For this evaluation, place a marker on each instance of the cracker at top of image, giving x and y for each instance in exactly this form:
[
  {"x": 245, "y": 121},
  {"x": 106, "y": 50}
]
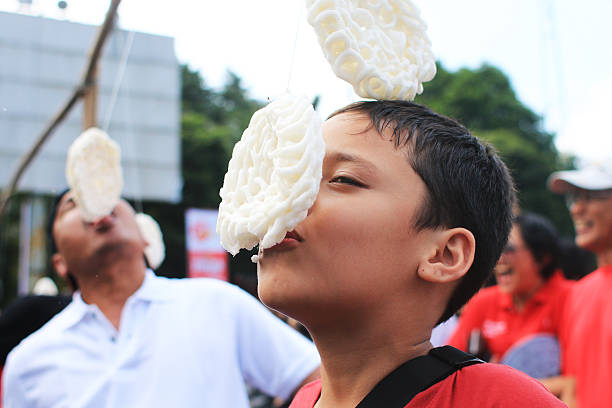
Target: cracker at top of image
[{"x": 381, "y": 48}]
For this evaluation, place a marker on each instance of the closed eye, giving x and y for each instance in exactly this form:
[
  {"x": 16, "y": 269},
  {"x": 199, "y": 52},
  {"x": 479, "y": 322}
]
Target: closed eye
[
  {"x": 347, "y": 180},
  {"x": 67, "y": 205}
]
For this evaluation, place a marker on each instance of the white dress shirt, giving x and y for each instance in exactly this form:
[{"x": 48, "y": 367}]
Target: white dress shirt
[{"x": 182, "y": 343}]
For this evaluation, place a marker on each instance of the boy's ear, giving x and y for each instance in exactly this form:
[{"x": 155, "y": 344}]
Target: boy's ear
[
  {"x": 60, "y": 266},
  {"x": 451, "y": 256}
]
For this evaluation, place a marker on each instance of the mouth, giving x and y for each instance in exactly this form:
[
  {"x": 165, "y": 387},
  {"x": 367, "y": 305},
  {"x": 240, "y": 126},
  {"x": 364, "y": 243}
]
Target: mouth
[
  {"x": 291, "y": 240},
  {"x": 104, "y": 224},
  {"x": 503, "y": 276},
  {"x": 293, "y": 235},
  {"x": 581, "y": 226}
]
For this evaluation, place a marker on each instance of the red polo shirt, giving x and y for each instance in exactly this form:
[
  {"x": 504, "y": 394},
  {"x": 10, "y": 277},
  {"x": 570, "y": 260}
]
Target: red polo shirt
[
  {"x": 502, "y": 325},
  {"x": 586, "y": 338},
  {"x": 479, "y": 385}
]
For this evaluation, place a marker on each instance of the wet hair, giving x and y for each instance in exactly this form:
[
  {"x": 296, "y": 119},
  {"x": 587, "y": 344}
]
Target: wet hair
[
  {"x": 542, "y": 240},
  {"x": 52, "y": 246},
  {"x": 467, "y": 183}
]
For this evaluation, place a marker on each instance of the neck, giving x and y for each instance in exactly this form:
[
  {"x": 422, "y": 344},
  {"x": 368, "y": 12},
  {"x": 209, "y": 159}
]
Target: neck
[
  {"x": 355, "y": 358},
  {"x": 521, "y": 299},
  {"x": 111, "y": 285},
  {"x": 605, "y": 257}
]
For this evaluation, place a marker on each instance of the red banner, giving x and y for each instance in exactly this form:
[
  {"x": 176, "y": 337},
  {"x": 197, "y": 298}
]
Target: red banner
[{"x": 205, "y": 255}]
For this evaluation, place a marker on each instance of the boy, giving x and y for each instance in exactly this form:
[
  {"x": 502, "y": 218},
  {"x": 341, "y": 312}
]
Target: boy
[{"x": 411, "y": 216}]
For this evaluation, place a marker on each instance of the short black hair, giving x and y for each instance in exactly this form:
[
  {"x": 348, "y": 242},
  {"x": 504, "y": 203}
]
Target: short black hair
[
  {"x": 52, "y": 246},
  {"x": 542, "y": 240},
  {"x": 468, "y": 185}
]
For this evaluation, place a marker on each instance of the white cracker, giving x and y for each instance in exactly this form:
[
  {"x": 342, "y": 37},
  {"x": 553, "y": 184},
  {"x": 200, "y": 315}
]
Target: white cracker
[
  {"x": 379, "y": 46},
  {"x": 273, "y": 176},
  {"x": 155, "y": 250},
  {"x": 93, "y": 172}
]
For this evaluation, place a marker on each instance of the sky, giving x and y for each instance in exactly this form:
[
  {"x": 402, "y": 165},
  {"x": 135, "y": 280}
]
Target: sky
[{"x": 557, "y": 53}]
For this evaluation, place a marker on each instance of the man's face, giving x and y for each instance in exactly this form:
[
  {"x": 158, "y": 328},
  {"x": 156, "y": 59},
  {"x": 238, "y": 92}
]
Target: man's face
[
  {"x": 358, "y": 245},
  {"x": 81, "y": 242},
  {"x": 593, "y": 222}
]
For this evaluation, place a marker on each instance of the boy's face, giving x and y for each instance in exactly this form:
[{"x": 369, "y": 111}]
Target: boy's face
[{"x": 358, "y": 245}]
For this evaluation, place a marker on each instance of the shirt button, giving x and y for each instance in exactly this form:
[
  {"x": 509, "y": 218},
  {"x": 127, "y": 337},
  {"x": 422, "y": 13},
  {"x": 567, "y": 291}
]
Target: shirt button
[{"x": 113, "y": 339}]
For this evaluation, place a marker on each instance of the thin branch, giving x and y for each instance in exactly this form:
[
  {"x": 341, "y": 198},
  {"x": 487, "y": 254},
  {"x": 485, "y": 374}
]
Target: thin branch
[{"x": 79, "y": 92}]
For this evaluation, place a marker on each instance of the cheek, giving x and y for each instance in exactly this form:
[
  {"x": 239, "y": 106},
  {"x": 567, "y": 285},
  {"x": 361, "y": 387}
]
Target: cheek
[
  {"x": 69, "y": 231},
  {"x": 362, "y": 239},
  {"x": 528, "y": 271}
]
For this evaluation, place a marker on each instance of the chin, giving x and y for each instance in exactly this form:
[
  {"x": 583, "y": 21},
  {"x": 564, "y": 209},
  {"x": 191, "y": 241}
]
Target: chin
[
  {"x": 584, "y": 242},
  {"x": 278, "y": 295}
]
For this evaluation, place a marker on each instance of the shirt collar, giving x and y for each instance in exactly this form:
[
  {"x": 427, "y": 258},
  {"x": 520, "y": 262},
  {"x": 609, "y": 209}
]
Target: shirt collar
[
  {"x": 505, "y": 299},
  {"x": 541, "y": 296},
  {"x": 152, "y": 289},
  {"x": 550, "y": 287}
]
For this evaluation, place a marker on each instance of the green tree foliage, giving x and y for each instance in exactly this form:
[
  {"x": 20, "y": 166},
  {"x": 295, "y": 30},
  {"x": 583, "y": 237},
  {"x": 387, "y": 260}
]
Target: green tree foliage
[
  {"x": 483, "y": 100},
  {"x": 212, "y": 121}
]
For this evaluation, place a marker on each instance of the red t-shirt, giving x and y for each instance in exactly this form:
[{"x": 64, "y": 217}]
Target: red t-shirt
[
  {"x": 478, "y": 385},
  {"x": 586, "y": 338},
  {"x": 502, "y": 325}
]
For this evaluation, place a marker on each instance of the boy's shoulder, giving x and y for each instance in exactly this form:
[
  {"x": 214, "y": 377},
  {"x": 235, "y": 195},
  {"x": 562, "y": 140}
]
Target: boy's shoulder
[
  {"x": 479, "y": 385},
  {"x": 307, "y": 396},
  {"x": 486, "y": 385}
]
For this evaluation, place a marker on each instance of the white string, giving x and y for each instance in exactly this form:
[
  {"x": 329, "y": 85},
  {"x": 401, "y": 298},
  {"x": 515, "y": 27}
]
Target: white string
[
  {"x": 109, "y": 114},
  {"x": 131, "y": 147},
  {"x": 297, "y": 32},
  {"x": 118, "y": 80}
]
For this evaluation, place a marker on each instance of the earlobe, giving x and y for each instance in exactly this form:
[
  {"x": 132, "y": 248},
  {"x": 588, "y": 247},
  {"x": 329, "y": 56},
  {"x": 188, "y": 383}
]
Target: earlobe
[
  {"x": 60, "y": 266},
  {"x": 451, "y": 257}
]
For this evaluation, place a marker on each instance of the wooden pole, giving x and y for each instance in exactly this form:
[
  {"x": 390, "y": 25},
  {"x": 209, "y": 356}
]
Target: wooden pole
[
  {"x": 82, "y": 89},
  {"x": 90, "y": 102}
]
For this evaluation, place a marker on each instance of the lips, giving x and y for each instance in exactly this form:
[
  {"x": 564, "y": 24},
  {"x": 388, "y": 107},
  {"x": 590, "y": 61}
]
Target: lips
[
  {"x": 293, "y": 235},
  {"x": 581, "y": 225},
  {"x": 104, "y": 223},
  {"x": 292, "y": 238}
]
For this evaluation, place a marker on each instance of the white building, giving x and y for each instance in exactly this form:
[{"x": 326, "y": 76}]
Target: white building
[{"x": 42, "y": 61}]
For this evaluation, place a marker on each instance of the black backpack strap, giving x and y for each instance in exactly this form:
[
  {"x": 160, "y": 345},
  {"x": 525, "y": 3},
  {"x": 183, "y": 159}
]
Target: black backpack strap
[{"x": 416, "y": 375}]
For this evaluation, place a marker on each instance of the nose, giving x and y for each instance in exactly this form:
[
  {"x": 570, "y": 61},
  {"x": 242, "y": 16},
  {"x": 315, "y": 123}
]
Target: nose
[
  {"x": 312, "y": 207},
  {"x": 503, "y": 259},
  {"x": 577, "y": 207}
]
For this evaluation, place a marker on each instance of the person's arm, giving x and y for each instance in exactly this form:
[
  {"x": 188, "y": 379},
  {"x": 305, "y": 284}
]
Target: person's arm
[
  {"x": 562, "y": 387},
  {"x": 274, "y": 357},
  {"x": 13, "y": 396}
]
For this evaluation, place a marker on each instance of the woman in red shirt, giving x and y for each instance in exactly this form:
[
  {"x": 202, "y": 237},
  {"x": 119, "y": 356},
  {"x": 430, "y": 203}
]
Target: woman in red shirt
[{"x": 517, "y": 320}]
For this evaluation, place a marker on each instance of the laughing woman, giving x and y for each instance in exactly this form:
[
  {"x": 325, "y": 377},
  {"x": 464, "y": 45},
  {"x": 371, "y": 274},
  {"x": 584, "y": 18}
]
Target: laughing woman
[{"x": 518, "y": 318}]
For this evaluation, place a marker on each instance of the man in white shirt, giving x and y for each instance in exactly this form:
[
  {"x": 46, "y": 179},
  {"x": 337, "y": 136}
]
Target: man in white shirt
[{"x": 132, "y": 339}]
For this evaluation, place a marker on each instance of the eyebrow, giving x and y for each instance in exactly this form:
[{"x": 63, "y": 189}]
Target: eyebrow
[{"x": 340, "y": 157}]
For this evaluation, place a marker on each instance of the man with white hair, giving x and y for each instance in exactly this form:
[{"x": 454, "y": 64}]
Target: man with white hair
[{"x": 586, "y": 337}]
